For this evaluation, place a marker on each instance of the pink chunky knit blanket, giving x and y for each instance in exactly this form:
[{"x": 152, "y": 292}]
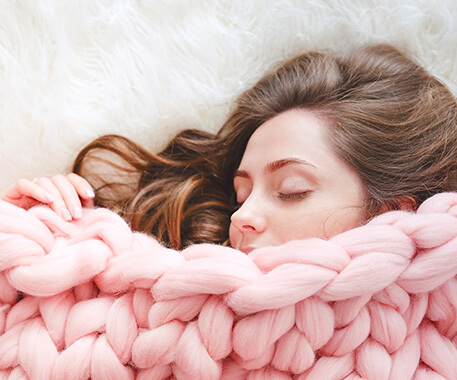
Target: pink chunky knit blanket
[{"x": 91, "y": 299}]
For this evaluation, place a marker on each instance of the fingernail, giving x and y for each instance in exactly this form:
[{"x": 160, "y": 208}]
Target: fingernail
[
  {"x": 65, "y": 213},
  {"x": 48, "y": 196},
  {"x": 90, "y": 193},
  {"x": 77, "y": 212}
]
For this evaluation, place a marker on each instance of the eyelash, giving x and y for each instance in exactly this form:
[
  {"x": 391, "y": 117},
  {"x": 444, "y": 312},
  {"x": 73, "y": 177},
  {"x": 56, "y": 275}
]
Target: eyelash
[
  {"x": 281, "y": 196},
  {"x": 293, "y": 196}
]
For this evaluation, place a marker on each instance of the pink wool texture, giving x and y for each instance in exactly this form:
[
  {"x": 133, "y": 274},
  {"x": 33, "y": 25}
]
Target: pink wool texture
[{"x": 102, "y": 302}]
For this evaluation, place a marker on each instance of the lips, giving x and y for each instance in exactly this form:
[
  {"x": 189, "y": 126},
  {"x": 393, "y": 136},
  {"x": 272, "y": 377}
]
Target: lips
[{"x": 247, "y": 250}]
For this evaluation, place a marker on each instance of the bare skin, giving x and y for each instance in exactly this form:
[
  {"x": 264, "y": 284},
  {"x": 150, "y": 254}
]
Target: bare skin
[
  {"x": 65, "y": 194},
  {"x": 291, "y": 185}
]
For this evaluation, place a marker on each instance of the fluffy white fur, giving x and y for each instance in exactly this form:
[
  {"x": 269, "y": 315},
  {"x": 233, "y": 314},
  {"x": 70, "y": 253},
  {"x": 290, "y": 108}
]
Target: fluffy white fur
[{"x": 73, "y": 70}]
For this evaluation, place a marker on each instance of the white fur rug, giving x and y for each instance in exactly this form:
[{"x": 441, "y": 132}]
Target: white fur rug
[{"x": 71, "y": 70}]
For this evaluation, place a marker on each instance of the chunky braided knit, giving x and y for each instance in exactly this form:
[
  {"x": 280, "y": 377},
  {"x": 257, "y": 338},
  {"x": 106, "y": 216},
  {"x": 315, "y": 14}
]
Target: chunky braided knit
[{"x": 101, "y": 302}]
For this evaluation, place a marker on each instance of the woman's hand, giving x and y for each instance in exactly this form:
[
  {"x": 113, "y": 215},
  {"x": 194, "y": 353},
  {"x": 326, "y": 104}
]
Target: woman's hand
[{"x": 66, "y": 195}]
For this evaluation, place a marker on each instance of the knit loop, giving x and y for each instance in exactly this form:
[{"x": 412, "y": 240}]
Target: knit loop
[{"x": 100, "y": 301}]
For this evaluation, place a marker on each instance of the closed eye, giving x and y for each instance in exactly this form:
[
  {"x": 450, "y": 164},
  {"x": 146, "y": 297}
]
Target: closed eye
[{"x": 293, "y": 196}]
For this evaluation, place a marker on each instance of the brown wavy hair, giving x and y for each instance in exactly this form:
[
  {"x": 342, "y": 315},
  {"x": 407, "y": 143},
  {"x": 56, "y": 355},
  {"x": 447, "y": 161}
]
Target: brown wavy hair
[
  {"x": 388, "y": 118},
  {"x": 175, "y": 195}
]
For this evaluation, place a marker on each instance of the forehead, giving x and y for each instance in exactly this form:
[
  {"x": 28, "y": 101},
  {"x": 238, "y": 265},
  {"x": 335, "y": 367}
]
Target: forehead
[{"x": 294, "y": 133}]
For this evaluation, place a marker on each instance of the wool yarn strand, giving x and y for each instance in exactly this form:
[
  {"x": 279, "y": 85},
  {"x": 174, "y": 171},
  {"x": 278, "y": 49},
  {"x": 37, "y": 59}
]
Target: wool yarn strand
[{"x": 93, "y": 299}]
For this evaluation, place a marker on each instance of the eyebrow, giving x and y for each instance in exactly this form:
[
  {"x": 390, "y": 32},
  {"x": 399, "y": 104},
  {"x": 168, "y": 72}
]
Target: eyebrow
[{"x": 276, "y": 165}]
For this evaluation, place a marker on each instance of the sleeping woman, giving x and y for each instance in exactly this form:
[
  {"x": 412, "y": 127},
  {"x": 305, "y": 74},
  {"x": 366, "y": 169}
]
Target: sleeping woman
[{"x": 318, "y": 146}]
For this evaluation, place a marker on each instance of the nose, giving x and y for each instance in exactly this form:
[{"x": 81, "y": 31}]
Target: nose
[{"x": 249, "y": 218}]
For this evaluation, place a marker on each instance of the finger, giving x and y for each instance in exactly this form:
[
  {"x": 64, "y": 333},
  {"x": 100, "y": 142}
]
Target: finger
[
  {"x": 26, "y": 188},
  {"x": 58, "y": 206},
  {"x": 88, "y": 203},
  {"x": 22, "y": 201},
  {"x": 82, "y": 187},
  {"x": 69, "y": 195}
]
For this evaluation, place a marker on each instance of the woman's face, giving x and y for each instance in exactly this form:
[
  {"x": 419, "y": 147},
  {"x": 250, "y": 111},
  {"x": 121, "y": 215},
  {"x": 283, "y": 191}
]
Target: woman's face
[{"x": 291, "y": 185}]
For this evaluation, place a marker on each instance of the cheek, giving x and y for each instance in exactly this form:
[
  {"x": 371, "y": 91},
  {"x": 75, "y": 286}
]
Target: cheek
[
  {"x": 293, "y": 224},
  {"x": 340, "y": 221},
  {"x": 296, "y": 230},
  {"x": 317, "y": 223}
]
